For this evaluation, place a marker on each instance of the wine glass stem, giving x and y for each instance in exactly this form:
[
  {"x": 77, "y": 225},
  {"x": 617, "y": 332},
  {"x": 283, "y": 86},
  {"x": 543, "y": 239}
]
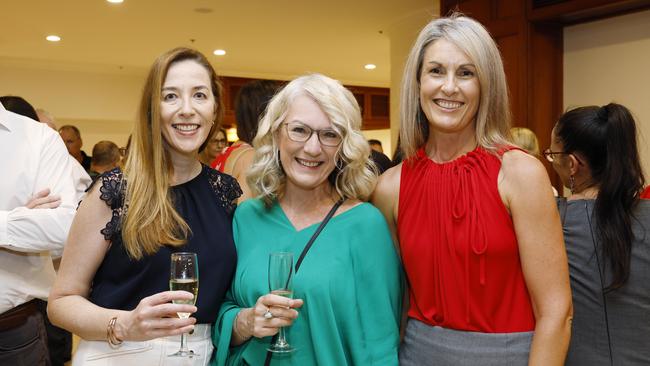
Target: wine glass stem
[
  {"x": 281, "y": 342},
  {"x": 184, "y": 343}
]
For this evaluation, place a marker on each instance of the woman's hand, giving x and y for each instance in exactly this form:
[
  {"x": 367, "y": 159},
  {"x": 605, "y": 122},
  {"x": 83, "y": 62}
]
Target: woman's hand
[
  {"x": 254, "y": 321},
  {"x": 155, "y": 316}
]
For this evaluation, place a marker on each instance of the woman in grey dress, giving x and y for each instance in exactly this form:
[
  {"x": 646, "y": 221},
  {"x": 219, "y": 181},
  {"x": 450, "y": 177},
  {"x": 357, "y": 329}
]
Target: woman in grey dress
[{"x": 607, "y": 235}]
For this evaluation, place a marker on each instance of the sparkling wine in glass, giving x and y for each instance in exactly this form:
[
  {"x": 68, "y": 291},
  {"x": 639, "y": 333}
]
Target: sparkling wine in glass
[
  {"x": 184, "y": 275},
  {"x": 281, "y": 283}
]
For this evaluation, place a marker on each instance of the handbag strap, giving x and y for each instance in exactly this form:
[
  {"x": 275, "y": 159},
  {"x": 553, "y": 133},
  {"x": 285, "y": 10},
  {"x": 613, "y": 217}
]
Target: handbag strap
[
  {"x": 269, "y": 354},
  {"x": 318, "y": 230}
]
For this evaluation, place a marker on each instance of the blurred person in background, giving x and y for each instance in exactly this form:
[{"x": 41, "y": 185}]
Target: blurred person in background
[
  {"x": 250, "y": 104},
  {"x": 607, "y": 234},
  {"x": 379, "y": 159},
  {"x": 106, "y": 157},
  {"x": 376, "y": 145},
  {"x": 527, "y": 140},
  {"x": 72, "y": 139},
  {"x": 215, "y": 146},
  {"x": 46, "y": 117}
]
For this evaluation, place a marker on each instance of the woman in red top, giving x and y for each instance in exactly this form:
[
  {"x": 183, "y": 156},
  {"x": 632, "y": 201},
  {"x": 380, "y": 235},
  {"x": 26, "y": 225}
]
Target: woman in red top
[
  {"x": 250, "y": 104},
  {"x": 478, "y": 230}
]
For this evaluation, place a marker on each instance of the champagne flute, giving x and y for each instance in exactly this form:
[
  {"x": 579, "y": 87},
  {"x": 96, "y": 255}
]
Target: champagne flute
[
  {"x": 184, "y": 275},
  {"x": 280, "y": 283}
]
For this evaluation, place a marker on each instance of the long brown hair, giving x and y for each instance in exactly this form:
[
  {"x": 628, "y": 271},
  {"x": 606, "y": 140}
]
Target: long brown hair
[{"x": 151, "y": 220}]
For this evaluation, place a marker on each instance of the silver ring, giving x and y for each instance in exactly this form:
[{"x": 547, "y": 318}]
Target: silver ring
[{"x": 268, "y": 314}]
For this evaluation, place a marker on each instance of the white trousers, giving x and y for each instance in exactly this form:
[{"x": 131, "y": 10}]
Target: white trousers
[{"x": 152, "y": 352}]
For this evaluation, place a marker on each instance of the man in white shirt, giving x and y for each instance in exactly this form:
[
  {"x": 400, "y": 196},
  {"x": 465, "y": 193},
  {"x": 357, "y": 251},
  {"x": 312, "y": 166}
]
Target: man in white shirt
[{"x": 33, "y": 159}]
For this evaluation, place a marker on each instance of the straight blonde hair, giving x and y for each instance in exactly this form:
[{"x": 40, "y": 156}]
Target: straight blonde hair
[
  {"x": 151, "y": 220},
  {"x": 493, "y": 116}
]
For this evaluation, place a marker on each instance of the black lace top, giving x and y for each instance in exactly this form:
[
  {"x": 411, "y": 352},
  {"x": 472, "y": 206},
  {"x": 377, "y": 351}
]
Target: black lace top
[{"x": 206, "y": 203}]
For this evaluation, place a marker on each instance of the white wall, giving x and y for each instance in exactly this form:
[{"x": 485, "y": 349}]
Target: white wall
[
  {"x": 609, "y": 60},
  {"x": 102, "y": 104}
]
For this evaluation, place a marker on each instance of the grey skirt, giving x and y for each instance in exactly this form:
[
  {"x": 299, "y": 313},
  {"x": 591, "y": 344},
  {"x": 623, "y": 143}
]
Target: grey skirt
[{"x": 427, "y": 345}]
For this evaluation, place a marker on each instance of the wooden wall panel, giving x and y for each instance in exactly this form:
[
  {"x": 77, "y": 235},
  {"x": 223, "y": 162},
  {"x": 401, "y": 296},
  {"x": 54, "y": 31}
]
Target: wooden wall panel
[
  {"x": 510, "y": 48},
  {"x": 372, "y": 101}
]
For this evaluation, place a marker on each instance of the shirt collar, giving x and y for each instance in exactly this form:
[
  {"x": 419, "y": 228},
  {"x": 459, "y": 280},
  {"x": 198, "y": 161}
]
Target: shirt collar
[{"x": 4, "y": 117}]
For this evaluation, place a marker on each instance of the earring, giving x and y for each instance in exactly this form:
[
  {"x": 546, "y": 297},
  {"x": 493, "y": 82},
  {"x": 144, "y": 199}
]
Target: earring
[{"x": 572, "y": 184}]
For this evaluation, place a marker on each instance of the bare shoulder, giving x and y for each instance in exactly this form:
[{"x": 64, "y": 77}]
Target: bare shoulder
[
  {"x": 240, "y": 160},
  {"x": 517, "y": 164},
  {"x": 386, "y": 194},
  {"x": 388, "y": 183},
  {"x": 522, "y": 175}
]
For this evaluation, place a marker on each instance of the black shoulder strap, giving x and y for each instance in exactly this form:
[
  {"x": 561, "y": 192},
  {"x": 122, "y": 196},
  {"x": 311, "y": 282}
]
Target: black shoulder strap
[
  {"x": 318, "y": 230},
  {"x": 269, "y": 354}
]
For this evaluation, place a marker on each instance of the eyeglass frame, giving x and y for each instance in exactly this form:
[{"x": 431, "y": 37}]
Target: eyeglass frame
[
  {"x": 221, "y": 141},
  {"x": 548, "y": 154},
  {"x": 311, "y": 133}
]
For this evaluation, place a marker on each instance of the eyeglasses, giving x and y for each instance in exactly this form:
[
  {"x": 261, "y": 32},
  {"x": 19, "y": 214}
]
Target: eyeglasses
[
  {"x": 220, "y": 141},
  {"x": 122, "y": 151},
  {"x": 300, "y": 132},
  {"x": 549, "y": 155}
]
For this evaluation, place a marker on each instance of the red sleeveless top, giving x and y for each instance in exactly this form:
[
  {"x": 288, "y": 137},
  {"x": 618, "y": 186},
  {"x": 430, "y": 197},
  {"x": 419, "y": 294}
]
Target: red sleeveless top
[
  {"x": 459, "y": 248},
  {"x": 219, "y": 163}
]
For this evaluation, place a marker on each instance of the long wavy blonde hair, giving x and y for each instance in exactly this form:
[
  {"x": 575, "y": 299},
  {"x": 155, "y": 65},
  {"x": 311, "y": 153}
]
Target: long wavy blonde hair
[
  {"x": 354, "y": 175},
  {"x": 493, "y": 116},
  {"x": 151, "y": 220}
]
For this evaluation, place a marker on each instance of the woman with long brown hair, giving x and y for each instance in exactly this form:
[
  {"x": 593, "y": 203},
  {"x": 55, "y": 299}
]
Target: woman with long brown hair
[{"x": 111, "y": 289}]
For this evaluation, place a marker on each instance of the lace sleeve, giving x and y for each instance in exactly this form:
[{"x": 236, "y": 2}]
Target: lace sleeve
[
  {"x": 226, "y": 189},
  {"x": 112, "y": 192}
]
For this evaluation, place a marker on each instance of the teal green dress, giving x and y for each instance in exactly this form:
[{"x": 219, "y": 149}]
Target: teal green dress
[{"x": 350, "y": 281}]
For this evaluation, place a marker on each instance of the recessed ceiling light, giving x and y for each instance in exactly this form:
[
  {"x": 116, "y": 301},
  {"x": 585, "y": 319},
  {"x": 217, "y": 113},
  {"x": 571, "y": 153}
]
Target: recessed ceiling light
[
  {"x": 115, "y": 1},
  {"x": 370, "y": 66},
  {"x": 53, "y": 38},
  {"x": 219, "y": 52},
  {"x": 203, "y": 10}
]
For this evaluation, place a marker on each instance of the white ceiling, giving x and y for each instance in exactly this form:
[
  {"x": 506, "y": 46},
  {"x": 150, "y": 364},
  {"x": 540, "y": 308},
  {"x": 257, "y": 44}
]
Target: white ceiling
[{"x": 264, "y": 38}]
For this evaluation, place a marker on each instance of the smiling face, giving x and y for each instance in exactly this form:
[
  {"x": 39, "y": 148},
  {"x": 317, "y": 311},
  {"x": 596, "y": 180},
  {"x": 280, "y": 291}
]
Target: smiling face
[
  {"x": 449, "y": 88},
  {"x": 308, "y": 164},
  {"x": 187, "y": 107}
]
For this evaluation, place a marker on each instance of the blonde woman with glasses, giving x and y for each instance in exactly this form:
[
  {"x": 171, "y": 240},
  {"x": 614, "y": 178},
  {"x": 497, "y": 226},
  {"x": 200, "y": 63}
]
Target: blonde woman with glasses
[{"x": 312, "y": 165}]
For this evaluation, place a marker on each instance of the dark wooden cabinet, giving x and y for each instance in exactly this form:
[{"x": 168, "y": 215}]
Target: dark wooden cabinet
[
  {"x": 529, "y": 34},
  {"x": 374, "y": 102}
]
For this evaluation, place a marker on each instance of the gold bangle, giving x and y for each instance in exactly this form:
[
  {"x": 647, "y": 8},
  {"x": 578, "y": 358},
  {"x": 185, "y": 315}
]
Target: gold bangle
[{"x": 113, "y": 341}]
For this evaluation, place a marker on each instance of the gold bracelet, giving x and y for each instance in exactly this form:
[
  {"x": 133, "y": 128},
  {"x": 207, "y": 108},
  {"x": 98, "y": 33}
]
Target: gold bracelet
[{"x": 113, "y": 341}]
